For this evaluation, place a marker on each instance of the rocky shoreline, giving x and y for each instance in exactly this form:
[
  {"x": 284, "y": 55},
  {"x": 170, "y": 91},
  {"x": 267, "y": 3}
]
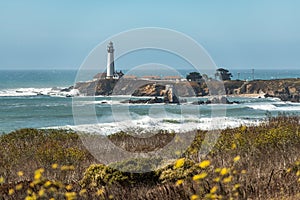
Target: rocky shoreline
[{"x": 284, "y": 89}]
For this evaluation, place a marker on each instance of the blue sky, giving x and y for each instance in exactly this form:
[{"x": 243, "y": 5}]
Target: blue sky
[{"x": 54, "y": 34}]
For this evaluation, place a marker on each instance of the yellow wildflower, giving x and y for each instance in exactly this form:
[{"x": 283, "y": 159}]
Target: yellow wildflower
[
  {"x": 19, "y": 186},
  {"x": 227, "y": 179},
  {"x": 217, "y": 170},
  {"x": 37, "y": 176},
  {"x": 100, "y": 192},
  {"x": 47, "y": 184},
  {"x": 212, "y": 196},
  {"x": 200, "y": 176},
  {"x": 224, "y": 171},
  {"x": 1, "y": 179},
  {"x": 194, "y": 197},
  {"x": 66, "y": 167},
  {"x": 204, "y": 164},
  {"x": 41, "y": 192},
  {"x": 34, "y": 197},
  {"x": 217, "y": 179},
  {"x": 11, "y": 191},
  {"x": 179, "y": 163},
  {"x": 69, "y": 187},
  {"x": 29, "y": 191},
  {"x": 70, "y": 195},
  {"x": 41, "y": 170},
  {"x": 243, "y": 171},
  {"x": 30, "y": 198},
  {"x": 20, "y": 173},
  {"x": 233, "y": 146},
  {"x": 213, "y": 189},
  {"x": 71, "y": 167},
  {"x": 82, "y": 192},
  {"x": 38, "y": 173},
  {"x": 236, "y": 186},
  {"x": 31, "y": 184},
  {"x": 54, "y": 166},
  {"x": 237, "y": 158},
  {"x": 243, "y": 128},
  {"x": 179, "y": 182}
]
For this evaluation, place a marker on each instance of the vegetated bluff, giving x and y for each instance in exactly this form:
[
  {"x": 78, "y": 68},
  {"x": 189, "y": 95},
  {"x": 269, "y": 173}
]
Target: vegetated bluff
[{"x": 285, "y": 89}]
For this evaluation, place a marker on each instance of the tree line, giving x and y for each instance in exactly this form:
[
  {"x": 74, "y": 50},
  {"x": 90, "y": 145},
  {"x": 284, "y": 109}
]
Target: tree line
[{"x": 220, "y": 74}]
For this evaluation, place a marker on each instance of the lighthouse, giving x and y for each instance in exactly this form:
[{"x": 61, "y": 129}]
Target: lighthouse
[{"x": 110, "y": 61}]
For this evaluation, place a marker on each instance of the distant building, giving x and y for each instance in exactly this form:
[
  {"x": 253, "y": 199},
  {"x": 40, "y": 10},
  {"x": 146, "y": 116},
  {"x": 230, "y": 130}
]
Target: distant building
[
  {"x": 173, "y": 78},
  {"x": 110, "y": 67},
  {"x": 118, "y": 75},
  {"x": 130, "y": 76},
  {"x": 151, "y": 77}
]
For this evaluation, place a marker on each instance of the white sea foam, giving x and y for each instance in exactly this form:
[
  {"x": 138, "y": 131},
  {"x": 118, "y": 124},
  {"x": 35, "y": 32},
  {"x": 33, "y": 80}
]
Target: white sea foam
[
  {"x": 23, "y": 92},
  {"x": 282, "y": 106},
  {"x": 288, "y": 108},
  {"x": 147, "y": 123},
  {"x": 263, "y": 107}
]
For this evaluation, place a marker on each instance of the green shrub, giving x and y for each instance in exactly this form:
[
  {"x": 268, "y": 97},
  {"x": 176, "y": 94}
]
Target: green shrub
[
  {"x": 100, "y": 175},
  {"x": 129, "y": 172}
]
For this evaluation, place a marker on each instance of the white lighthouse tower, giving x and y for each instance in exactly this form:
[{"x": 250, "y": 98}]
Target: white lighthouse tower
[{"x": 110, "y": 61}]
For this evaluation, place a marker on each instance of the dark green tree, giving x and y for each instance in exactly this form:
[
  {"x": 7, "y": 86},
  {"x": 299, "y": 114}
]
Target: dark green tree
[
  {"x": 194, "y": 76},
  {"x": 223, "y": 74}
]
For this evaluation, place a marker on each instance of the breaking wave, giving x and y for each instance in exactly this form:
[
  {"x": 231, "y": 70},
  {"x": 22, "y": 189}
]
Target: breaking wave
[
  {"x": 23, "y": 92},
  {"x": 149, "y": 124},
  {"x": 280, "y": 106}
]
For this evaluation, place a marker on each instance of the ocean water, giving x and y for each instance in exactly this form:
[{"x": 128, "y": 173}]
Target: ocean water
[{"x": 22, "y": 107}]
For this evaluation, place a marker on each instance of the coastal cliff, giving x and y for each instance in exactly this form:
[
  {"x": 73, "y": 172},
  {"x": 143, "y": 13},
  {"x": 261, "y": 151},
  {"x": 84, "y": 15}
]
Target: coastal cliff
[{"x": 285, "y": 89}]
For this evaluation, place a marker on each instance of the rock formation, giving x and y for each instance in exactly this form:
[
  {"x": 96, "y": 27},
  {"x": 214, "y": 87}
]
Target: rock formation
[
  {"x": 285, "y": 89},
  {"x": 215, "y": 100}
]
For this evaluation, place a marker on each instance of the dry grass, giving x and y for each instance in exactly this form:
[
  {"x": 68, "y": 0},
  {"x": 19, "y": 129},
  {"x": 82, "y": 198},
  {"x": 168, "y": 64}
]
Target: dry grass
[{"x": 260, "y": 162}]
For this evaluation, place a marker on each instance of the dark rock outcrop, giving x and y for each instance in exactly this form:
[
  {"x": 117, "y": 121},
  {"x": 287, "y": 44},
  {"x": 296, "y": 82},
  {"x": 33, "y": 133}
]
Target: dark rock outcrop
[
  {"x": 216, "y": 100},
  {"x": 67, "y": 89},
  {"x": 219, "y": 100},
  {"x": 144, "y": 101}
]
